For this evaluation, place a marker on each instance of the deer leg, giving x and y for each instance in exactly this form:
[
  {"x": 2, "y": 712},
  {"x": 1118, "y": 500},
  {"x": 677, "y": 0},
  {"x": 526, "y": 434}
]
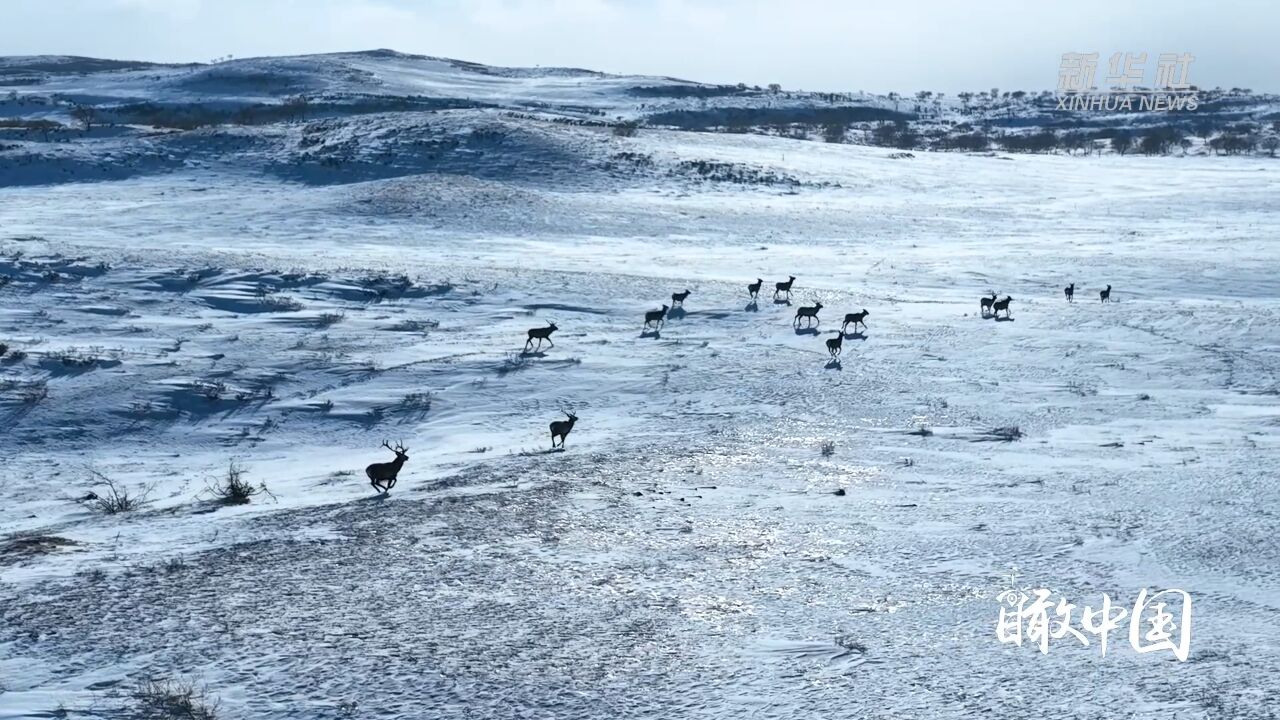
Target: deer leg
[{"x": 549, "y": 343}]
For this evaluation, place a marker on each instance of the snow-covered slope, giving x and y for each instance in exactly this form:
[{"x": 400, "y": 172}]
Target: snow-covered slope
[{"x": 687, "y": 555}]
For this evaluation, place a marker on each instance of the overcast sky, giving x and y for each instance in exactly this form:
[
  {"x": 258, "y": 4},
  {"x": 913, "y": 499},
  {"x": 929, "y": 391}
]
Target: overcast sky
[{"x": 901, "y": 45}]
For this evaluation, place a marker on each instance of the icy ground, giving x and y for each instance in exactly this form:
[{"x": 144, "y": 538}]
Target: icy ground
[{"x": 687, "y": 555}]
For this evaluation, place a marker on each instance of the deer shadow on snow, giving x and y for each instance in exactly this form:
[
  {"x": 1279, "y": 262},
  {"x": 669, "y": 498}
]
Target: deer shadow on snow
[
  {"x": 752, "y": 307},
  {"x": 807, "y": 331},
  {"x": 676, "y": 313},
  {"x": 533, "y": 354},
  {"x": 834, "y": 364}
]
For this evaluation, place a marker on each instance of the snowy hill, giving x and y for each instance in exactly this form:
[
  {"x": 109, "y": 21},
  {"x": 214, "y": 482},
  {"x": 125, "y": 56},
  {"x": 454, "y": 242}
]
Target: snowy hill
[{"x": 265, "y": 268}]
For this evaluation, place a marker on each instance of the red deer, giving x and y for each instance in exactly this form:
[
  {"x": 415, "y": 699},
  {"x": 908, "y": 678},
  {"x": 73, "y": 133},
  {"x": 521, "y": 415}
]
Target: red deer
[
  {"x": 784, "y": 286},
  {"x": 383, "y": 475},
  {"x": 999, "y": 305},
  {"x": 836, "y": 344},
  {"x": 1106, "y": 294},
  {"x": 561, "y": 428},
  {"x": 986, "y": 303},
  {"x": 808, "y": 313},
  {"x": 857, "y": 319},
  {"x": 541, "y": 334},
  {"x": 678, "y": 298},
  {"x": 656, "y": 318},
  {"x": 1070, "y": 292},
  {"x": 754, "y": 288}
]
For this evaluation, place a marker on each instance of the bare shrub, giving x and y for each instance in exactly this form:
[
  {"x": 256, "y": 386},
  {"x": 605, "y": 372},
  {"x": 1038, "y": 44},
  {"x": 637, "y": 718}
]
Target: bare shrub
[
  {"x": 233, "y": 488},
  {"x": 330, "y": 318},
  {"x": 511, "y": 363},
  {"x": 1007, "y": 433},
  {"x": 626, "y": 129},
  {"x": 281, "y": 303},
  {"x": 166, "y": 699},
  {"x": 114, "y": 498},
  {"x": 828, "y": 448},
  {"x": 419, "y": 402},
  {"x": 416, "y": 326}
]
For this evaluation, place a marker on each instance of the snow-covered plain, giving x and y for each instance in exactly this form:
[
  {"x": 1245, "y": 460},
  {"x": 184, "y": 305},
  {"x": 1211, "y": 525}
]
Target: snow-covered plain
[{"x": 687, "y": 555}]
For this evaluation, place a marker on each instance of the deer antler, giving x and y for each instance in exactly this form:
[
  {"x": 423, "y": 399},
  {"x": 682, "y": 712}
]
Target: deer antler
[
  {"x": 387, "y": 445},
  {"x": 400, "y": 448}
]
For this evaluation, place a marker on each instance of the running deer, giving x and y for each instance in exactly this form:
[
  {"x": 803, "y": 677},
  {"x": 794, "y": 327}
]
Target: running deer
[
  {"x": 541, "y": 334},
  {"x": 656, "y": 318},
  {"x": 808, "y": 313},
  {"x": 987, "y": 302},
  {"x": 1106, "y": 294},
  {"x": 784, "y": 286},
  {"x": 1070, "y": 292},
  {"x": 383, "y": 475},
  {"x": 836, "y": 344},
  {"x": 562, "y": 428},
  {"x": 678, "y": 298},
  {"x": 753, "y": 289},
  {"x": 999, "y": 305},
  {"x": 857, "y": 319}
]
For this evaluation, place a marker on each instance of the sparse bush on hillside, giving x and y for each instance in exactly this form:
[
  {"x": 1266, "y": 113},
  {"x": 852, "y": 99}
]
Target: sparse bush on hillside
[
  {"x": 1121, "y": 142},
  {"x": 834, "y": 132},
  {"x": 233, "y": 489},
  {"x": 969, "y": 142},
  {"x": 113, "y": 498},
  {"x": 85, "y": 115},
  {"x": 163, "y": 699},
  {"x": 897, "y": 134},
  {"x": 626, "y": 129},
  {"x": 1039, "y": 142}
]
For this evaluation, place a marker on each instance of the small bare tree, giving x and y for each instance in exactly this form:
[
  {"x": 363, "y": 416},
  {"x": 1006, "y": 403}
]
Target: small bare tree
[{"x": 85, "y": 115}]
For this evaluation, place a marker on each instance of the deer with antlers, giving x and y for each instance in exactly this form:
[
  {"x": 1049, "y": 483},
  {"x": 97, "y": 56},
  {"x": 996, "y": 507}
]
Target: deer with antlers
[
  {"x": 753, "y": 289},
  {"x": 655, "y": 318},
  {"x": 383, "y": 475},
  {"x": 541, "y": 334},
  {"x": 784, "y": 287},
  {"x": 562, "y": 428},
  {"x": 808, "y": 313},
  {"x": 858, "y": 318}
]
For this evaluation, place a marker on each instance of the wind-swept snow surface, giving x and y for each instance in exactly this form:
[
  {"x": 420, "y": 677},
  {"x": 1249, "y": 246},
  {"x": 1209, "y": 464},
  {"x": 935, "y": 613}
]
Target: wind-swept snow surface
[{"x": 688, "y": 554}]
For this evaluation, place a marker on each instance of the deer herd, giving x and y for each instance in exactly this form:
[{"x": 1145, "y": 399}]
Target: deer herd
[{"x": 383, "y": 475}]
